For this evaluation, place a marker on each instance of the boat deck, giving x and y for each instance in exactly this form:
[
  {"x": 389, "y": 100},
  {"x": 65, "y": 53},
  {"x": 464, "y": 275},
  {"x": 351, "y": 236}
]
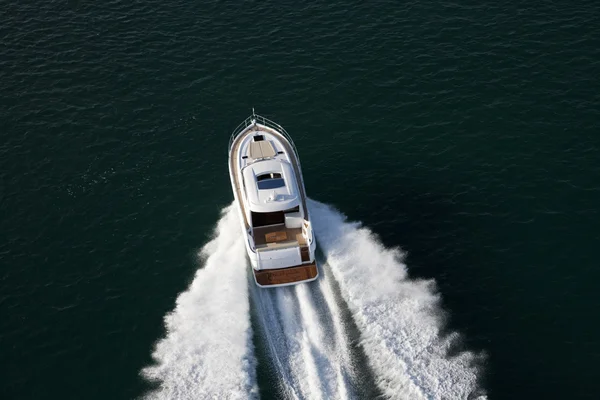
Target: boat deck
[
  {"x": 285, "y": 276},
  {"x": 283, "y": 236}
]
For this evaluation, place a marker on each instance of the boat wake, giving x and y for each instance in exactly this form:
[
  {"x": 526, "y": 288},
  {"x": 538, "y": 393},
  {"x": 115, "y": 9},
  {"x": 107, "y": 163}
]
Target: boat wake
[
  {"x": 307, "y": 341},
  {"x": 306, "y": 329},
  {"x": 208, "y": 352},
  {"x": 399, "y": 319}
]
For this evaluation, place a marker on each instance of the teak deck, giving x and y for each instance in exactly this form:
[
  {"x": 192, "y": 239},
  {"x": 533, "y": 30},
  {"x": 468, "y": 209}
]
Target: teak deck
[
  {"x": 293, "y": 235},
  {"x": 278, "y": 236},
  {"x": 282, "y": 276}
]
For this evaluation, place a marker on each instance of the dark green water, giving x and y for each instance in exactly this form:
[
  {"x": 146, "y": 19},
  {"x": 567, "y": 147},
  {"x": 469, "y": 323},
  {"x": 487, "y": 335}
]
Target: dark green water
[{"x": 466, "y": 133}]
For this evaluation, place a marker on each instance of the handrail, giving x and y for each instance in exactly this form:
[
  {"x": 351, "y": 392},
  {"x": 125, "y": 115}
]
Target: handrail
[{"x": 252, "y": 121}]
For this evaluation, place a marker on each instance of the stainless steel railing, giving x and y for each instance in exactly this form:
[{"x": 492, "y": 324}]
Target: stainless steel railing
[{"x": 258, "y": 119}]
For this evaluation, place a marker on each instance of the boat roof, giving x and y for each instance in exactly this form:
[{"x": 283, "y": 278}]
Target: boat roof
[{"x": 270, "y": 185}]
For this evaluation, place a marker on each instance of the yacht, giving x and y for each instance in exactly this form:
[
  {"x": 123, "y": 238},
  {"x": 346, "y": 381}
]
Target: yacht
[{"x": 267, "y": 184}]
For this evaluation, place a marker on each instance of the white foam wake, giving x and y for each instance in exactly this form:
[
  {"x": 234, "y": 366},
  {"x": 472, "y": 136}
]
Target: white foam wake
[
  {"x": 311, "y": 354},
  {"x": 208, "y": 352},
  {"x": 399, "y": 319}
]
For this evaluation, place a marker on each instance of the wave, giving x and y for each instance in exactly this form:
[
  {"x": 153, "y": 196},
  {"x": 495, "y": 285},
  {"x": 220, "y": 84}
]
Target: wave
[
  {"x": 310, "y": 351},
  {"x": 208, "y": 351},
  {"x": 400, "y": 320}
]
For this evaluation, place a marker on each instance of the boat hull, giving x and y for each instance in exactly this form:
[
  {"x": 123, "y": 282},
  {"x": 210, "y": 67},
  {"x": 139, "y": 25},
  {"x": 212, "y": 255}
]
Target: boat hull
[{"x": 267, "y": 270}]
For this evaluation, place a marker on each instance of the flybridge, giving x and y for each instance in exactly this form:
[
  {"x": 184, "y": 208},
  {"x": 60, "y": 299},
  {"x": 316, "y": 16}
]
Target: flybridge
[{"x": 269, "y": 190}]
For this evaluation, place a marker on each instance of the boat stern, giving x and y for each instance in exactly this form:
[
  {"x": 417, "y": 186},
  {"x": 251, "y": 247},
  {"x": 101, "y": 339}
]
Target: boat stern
[{"x": 286, "y": 276}]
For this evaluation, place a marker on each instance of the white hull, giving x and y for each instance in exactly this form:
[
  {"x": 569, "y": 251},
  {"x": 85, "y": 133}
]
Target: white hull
[{"x": 268, "y": 187}]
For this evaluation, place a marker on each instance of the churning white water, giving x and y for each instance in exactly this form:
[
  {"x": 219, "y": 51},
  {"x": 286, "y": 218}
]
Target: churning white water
[
  {"x": 305, "y": 338},
  {"x": 399, "y": 319},
  {"x": 208, "y": 352}
]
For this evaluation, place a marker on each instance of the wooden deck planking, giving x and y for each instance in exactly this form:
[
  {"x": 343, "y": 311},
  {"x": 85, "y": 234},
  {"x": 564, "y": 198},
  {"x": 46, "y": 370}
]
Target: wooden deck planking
[
  {"x": 282, "y": 276},
  {"x": 261, "y": 232}
]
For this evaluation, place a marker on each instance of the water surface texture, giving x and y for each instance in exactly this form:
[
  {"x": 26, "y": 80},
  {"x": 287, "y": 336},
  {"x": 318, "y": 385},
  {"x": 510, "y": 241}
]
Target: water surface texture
[{"x": 465, "y": 133}]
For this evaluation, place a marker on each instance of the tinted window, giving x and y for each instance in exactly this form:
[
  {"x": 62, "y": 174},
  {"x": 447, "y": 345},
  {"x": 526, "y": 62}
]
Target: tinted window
[
  {"x": 271, "y": 183},
  {"x": 269, "y": 175}
]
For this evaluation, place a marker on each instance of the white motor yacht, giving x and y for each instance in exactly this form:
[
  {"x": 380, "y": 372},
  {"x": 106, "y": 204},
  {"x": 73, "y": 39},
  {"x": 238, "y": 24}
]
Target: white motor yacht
[{"x": 267, "y": 184}]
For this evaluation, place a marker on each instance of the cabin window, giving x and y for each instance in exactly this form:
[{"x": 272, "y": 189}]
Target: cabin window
[
  {"x": 265, "y": 219},
  {"x": 271, "y": 180}
]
